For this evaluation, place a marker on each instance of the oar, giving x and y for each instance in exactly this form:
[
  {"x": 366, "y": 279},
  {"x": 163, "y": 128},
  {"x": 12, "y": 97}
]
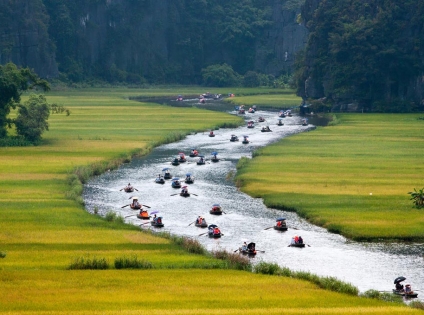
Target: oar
[
  {"x": 132, "y": 215},
  {"x": 175, "y": 194},
  {"x": 258, "y": 250},
  {"x": 124, "y": 206},
  {"x": 136, "y": 189},
  {"x": 269, "y": 228},
  {"x": 146, "y": 206},
  {"x": 203, "y": 233},
  {"x": 144, "y": 223},
  {"x": 195, "y": 194},
  {"x": 236, "y": 250},
  {"x": 191, "y": 223},
  {"x": 224, "y": 212},
  {"x": 121, "y": 189}
]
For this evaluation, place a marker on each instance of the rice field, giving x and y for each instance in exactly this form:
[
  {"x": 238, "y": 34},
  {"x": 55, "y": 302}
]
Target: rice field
[
  {"x": 352, "y": 178},
  {"x": 42, "y": 231},
  {"x": 280, "y": 99}
]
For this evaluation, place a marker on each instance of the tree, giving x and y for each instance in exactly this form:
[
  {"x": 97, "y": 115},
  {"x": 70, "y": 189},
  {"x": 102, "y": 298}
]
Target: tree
[
  {"x": 13, "y": 82},
  {"x": 32, "y": 118},
  {"x": 251, "y": 79},
  {"x": 418, "y": 197},
  {"x": 220, "y": 76}
]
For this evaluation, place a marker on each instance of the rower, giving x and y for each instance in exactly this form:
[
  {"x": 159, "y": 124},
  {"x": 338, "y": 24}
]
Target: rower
[{"x": 244, "y": 247}]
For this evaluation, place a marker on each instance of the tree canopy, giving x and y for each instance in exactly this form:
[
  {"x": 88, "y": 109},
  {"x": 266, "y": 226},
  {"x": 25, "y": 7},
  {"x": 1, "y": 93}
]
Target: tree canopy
[{"x": 13, "y": 81}]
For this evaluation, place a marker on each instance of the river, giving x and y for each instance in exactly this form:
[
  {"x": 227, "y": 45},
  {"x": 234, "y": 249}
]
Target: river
[{"x": 365, "y": 265}]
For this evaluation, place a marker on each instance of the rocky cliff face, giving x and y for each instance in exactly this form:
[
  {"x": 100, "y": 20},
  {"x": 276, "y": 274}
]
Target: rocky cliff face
[
  {"x": 24, "y": 39},
  {"x": 282, "y": 40}
]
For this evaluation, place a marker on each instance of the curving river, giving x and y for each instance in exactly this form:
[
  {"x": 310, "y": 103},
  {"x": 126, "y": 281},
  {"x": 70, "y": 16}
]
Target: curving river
[{"x": 366, "y": 265}]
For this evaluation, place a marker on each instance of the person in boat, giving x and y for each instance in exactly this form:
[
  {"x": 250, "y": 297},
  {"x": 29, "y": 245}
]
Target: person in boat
[
  {"x": 129, "y": 187},
  {"x": 154, "y": 218},
  {"x": 216, "y": 230},
  {"x": 188, "y": 177},
  {"x": 216, "y": 208},
  {"x": 201, "y": 160},
  {"x": 292, "y": 242},
  {"x": 244, "y": 247},
  {"x": 251, "y": 247},
  {"x": 296, "y": 239},
  {"x": 399, "y": 287},
  {"x": 279, "y": 224},
  {"x": 408, "y": 289},
  {"x": 211, "y": 132},
  {"x": 300, "y": 240},
  {"x": 184, "y": 190},
  {"x": 199, "y": 220},
  {"x": 135, "y": 203}
]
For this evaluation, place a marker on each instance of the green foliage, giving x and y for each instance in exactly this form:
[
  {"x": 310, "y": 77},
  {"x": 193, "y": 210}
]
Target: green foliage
[
  {"x": 220, "y": 76},
  {"x": 111, "y": 216},
  {"x": 13, "y": 81},
  {"x": 417, "y": 304},
  {"x": 418, "y": 197},
  {"x": 366, "y": 53},
  {"x": 88, "y": 263},
  {"x": 233, "y": 260},
  {"x": 32, "y": 118},
  {"x": 15, "y": 142},
  {"x": 132, "y": 263},
  {"x": 2, "y": 255},
  {"x": 384, "y": 296},
  {"x": 251, "y": 79}
]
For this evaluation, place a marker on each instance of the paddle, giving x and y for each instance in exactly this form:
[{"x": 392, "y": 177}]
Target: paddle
[
  {"x": 136, "y": 189},
  {"x": 124, "y": 206},
  {"x": 147, "y": 206},
  {"x": 236, "y": 250},
  {"x": 175, "y": 194},
  {"x": 203, "y": 234},
  {"x": 258, "y": 250},
  {"x": 144, "y": 223},
  {"x": 121, "y": 189},
  {"x": 195, "y": 194},
  {"x": 269, "y": 228},
  {"x": 191, "y": 223},
  {"x": 132, "y": 215}
]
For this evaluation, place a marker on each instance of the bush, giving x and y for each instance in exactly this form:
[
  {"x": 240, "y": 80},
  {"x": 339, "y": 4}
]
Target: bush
[
  {"x": 417, "y": 304},
  {"x": 111, "y": 216},
  {"x": 132, "y": 263},
  {"x": 87, "y": 263},
  {"x": 220, "y": 76},
  {"x": 384, "y": 296},
  {"x": 418, "y": 197},
  {"x": 251, "y": 79},
  {"x": 2, "y": 255},
  {"x": 234, "y": 261}
]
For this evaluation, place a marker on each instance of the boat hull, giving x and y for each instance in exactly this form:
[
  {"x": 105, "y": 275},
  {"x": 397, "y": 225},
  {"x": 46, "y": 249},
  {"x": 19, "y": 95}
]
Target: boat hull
[
  {"x": 297, "y": 245},
  {"x": 402, "y": 293},
  {"x": 280, "y": 228},
  {"x": 211, "y": 235},
  {"x": 143, "y": 217},
  {"x": 158, "y": 225},
  {"x": 160, "y": 181},
  {"x": 201, "y": 225},
  {"x": 215, "y": 212},
  {"x": 129, "y": 190},
  {"x": 185, "y": 195},
  {"x": 247, "y": 252}
]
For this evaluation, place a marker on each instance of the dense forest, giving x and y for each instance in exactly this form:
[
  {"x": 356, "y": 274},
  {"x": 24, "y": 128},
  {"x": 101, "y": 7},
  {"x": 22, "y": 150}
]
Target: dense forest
[{"x": 345, "y": 54}]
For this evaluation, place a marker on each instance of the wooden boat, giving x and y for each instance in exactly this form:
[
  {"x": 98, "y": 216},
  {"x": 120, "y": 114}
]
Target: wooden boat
[
  {"x": 193, "y": 153},
  {"x": 157, "y": 222},
  {"x": 187, "y": 194},
  {"x": 160, "y": 180},
  {"x": 175, "y": 162},
  {"x": 297, "y": 245},
  {"x": 136, "y": 206},
  {"x": 179, "y": 98},
  {"x": 404, "y": 294},
  {"x": 201, "y": 161},
  {"x": 202, "y": 224},
  {"x": 216, "y": 209},
  {"x": 266, "y": 129},
  {"x": 189, "y": 179},
  {"x": 129, "y": 189},
  {"x": 176, "y": 183},
  {"x": 280, "y": 225},
  {"x": 251, "y": 124},
  {"x": 143, "y": 215},
  {"x": 214, "y": 231},
  {"x": 280, "y": 123},
  {"x": 245, "y": 140},
  {"x": 167, "y": 174},
  {"x": 182, "y": 158},
  {"x": 241, "y": 111},
  {"x": 304, "y": 122},
  {"x": 211, "y": 134},
  {"x": 234, "y": 138},
  {"x": 250, "y": 251},
  {"x": 251, "y": 111},
  {"x": 282, "y": 114},
  {"x": 214, "y": 157},
  {"x": 261, "y": 119}
]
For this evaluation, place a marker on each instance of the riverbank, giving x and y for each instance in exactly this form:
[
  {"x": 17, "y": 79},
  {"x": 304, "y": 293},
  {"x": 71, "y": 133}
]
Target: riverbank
[
  {"x": 352, "y": 178},
  {"x": 42, "y": 231}
]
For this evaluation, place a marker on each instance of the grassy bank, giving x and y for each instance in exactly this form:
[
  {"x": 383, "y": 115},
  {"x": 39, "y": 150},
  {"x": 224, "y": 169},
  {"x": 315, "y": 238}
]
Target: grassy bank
[
  {"x": 283, "y": 99},
  {"x": 42, "y": 231},
  {"x": 352, "y": 178}
]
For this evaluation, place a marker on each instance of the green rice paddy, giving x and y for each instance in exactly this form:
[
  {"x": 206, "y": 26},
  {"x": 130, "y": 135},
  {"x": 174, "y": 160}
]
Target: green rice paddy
[
  {"x": 352, "y": 178},
  {"x": 42, "y": 231}
]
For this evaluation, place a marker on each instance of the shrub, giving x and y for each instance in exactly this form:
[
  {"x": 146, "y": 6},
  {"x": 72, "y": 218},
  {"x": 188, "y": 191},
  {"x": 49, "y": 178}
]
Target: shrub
[
  {"x": 234, "y": 261},
  {"x": 384, "y": 296},
  {"x": 220, "y": 76},
  {"x": 88, "y": 263},
  {"x": 2, "y": 255},
  {"x": 417, "y": 304},
  {"x": 418, "y": 197},
  {"x": 132, "y": 263}
]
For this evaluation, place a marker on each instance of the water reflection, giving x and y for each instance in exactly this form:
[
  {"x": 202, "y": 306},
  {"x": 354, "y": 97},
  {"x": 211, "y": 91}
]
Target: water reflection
[{"x": 367, "y": 266}]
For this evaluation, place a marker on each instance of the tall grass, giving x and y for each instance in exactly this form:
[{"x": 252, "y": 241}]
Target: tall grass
[
  {"x": 328, "y": 283},
  {"x": 132, "y": 263},
  {"x": 88, "y": 263},
  {"x": 233, "y": 260}
]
